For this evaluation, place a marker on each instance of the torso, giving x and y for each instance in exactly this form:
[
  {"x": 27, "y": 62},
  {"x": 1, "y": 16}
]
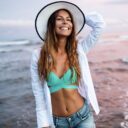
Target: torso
[{"x": 65, "y": 101}]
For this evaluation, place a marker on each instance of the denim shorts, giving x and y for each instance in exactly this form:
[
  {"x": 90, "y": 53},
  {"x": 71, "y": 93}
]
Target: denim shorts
[{"x": 81, "y": 119}]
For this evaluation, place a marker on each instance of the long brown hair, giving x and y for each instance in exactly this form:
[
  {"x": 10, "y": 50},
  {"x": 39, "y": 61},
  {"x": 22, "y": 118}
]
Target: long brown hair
[{"x": 45, "y": 61}]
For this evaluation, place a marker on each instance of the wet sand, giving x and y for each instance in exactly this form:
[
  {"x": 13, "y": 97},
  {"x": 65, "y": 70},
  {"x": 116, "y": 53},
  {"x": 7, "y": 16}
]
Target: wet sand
[{"x": 109, "y": 67}]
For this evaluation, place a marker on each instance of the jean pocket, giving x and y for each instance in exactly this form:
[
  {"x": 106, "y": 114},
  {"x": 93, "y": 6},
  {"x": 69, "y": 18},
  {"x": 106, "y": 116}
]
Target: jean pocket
[{"x": 84, "y": 113}]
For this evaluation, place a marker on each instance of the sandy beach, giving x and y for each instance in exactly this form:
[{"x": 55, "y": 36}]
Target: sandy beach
[{"x": 109, "y": 67}]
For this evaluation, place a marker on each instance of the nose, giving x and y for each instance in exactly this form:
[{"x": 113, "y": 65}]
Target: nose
[{"x": 64, "y": 21}]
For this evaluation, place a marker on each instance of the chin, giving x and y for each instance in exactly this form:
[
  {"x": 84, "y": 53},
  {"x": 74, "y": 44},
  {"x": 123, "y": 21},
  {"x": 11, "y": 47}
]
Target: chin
[{"x": 64, "y": 34}]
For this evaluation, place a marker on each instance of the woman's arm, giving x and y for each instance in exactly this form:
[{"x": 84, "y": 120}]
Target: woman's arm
[
  {"x": 96, "y": 22},
  {"x": 38, "y": 90}
]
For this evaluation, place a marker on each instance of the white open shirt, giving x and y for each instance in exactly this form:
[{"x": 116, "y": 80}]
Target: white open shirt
[{"x": 86, "y": 87}]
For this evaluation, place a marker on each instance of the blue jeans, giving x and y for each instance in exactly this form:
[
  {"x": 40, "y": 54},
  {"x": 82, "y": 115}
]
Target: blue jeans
[{"x": 81, "y": 119}]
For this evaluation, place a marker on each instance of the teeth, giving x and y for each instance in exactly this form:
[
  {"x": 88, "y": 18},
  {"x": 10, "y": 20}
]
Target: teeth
[{"x": 64, "y": 28}]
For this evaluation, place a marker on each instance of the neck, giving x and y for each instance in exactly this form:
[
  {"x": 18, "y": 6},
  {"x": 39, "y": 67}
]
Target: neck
[{"x": 61, "y": 45}]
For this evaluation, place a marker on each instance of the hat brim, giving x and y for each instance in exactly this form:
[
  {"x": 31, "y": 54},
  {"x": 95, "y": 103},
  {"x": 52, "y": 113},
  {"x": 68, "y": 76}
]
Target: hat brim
[{"x": 44, "y": 14}]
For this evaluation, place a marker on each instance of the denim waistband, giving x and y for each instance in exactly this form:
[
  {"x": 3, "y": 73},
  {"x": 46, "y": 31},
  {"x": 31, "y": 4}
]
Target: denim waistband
[{"x": 74, "y": 119}]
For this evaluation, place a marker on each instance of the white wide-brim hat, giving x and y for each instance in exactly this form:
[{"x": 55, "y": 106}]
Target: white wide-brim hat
[{"x": 44, "y": 14}]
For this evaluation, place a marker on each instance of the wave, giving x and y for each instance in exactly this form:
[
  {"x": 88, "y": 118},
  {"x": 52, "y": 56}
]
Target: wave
[{"x": 19, "y": 42}]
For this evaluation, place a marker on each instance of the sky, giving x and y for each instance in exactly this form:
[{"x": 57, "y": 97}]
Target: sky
[
  {"x": 22, "y": 13},
  {"x": 27, "y": 9}
]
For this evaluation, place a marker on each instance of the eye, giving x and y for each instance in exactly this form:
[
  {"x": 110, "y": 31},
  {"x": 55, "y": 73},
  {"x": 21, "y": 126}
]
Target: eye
[
  {"x": 58, "y": 18},
  {"x": 69, "y": 19}
]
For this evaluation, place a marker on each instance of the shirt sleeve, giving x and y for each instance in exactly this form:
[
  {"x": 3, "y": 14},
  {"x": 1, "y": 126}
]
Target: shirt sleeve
[
  {"x": 38, "y": 91},
  {"x": 96, "y": 22}
]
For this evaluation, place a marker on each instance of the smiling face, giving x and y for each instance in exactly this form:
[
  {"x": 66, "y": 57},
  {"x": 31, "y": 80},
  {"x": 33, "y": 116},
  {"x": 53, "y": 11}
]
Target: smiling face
[
  {"x": 60, "y": 25},
  {"x": 63, "y": 24}
]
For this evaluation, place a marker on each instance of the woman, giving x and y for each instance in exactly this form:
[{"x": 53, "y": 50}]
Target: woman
[{"x": 61, "y": 79}]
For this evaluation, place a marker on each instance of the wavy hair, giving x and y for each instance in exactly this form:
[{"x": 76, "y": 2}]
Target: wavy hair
[{"x": 46, "y": 62}]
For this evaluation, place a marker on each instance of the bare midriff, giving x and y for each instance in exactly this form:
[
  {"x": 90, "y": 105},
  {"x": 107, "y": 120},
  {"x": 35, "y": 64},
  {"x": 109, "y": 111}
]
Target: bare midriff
[{"x": 66, "y": 102}]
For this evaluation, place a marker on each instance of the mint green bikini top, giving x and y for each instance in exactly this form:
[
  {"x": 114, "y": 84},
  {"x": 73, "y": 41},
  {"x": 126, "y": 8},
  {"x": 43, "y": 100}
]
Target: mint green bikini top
[{"x": 55, "y": 83}]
